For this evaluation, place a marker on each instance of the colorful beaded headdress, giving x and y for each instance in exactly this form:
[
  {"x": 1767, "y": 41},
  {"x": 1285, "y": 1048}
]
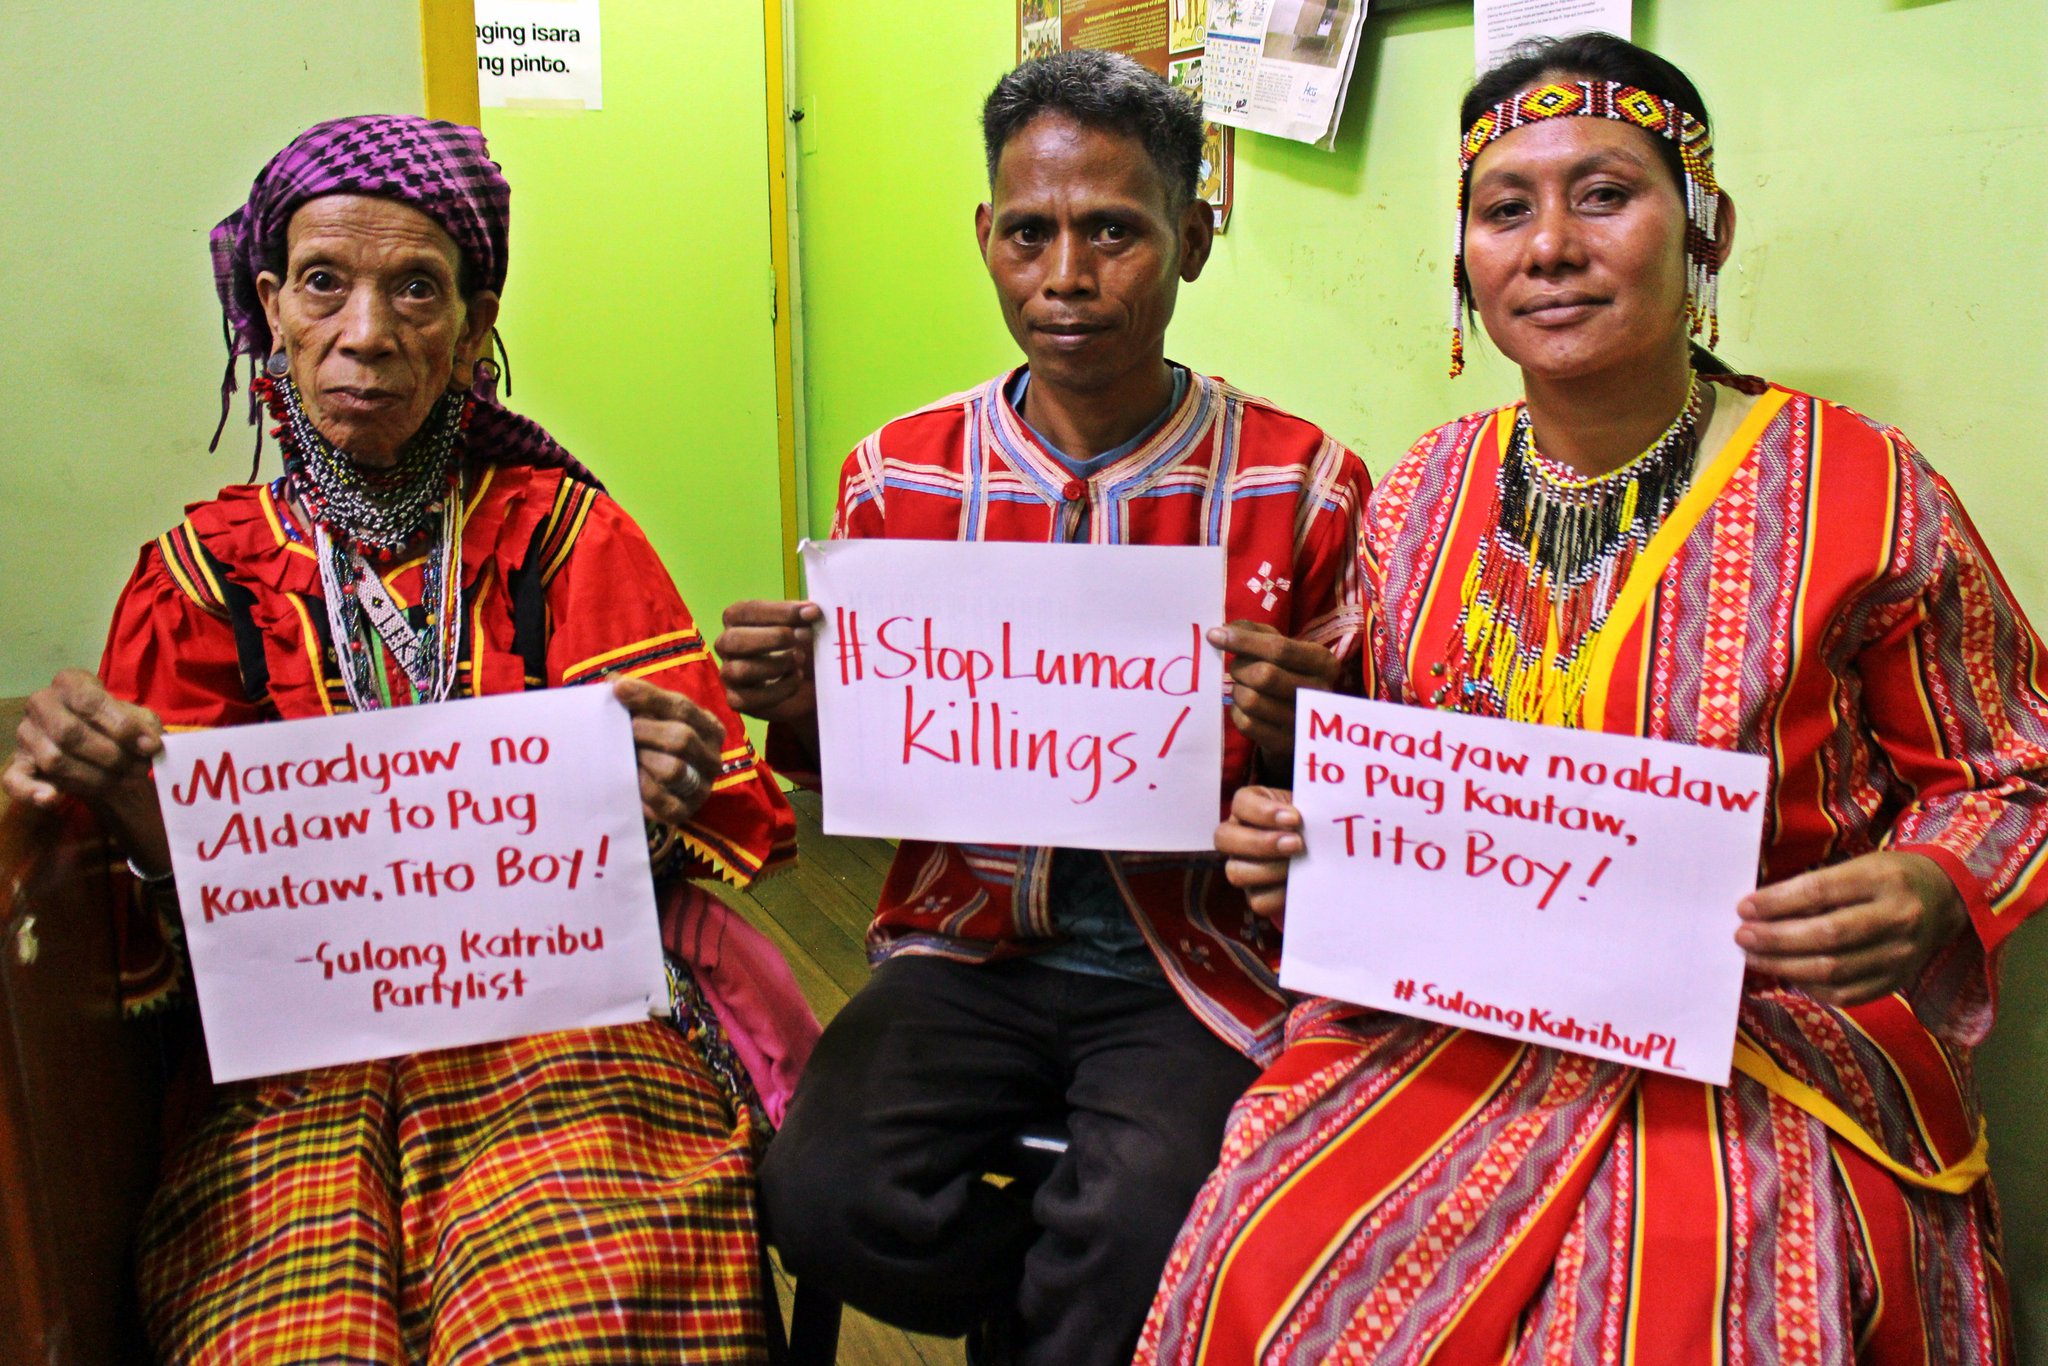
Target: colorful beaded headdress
[{"x": 1626, "y": 103}]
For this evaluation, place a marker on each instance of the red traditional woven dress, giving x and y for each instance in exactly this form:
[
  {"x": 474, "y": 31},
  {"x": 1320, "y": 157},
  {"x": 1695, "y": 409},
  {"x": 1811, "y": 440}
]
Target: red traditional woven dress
[
  {"x": 1397, "y": 1191},
  {"x": 1223, "y": 469},
  {"x": 582, "y": 1196}
]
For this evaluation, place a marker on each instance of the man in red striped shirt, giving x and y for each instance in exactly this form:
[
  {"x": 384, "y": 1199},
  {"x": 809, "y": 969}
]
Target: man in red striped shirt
[{"x": 1131, "y": 995}]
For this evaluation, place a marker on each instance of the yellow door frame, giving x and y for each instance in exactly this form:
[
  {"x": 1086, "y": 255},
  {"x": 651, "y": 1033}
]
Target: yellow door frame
[
  {"x": 781, "y": 252},
  {"x": 448, "y": 60}
]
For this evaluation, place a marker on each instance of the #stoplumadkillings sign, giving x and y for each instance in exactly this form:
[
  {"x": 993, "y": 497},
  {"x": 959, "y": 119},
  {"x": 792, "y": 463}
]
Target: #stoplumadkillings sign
[
  {"x": 1565, "y": 887},
  {"x": 999, "y": 693},
  {"x": 362, "y": 886}
]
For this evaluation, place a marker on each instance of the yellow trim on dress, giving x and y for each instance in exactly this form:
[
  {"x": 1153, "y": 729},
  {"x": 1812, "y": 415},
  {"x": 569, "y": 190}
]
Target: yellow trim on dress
[
  {"x": 738, "y": 877},
  {"x": 176, "y": 571},
  {"x": 220, "y": 594},
  {"x": 312, "y": 640},
  {"x": 689, "y": 657},
  {"x": 569, "y": 539},
  {"x": 270, "y": 515},
  {"x": 1955, "y": 1179},
  {"x": 595, "y": 660},
  {"x": 1648, "y": 570}
]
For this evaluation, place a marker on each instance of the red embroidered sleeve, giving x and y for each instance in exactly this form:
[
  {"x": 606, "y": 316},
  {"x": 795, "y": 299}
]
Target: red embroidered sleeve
[{"x": 617, "y": 614}]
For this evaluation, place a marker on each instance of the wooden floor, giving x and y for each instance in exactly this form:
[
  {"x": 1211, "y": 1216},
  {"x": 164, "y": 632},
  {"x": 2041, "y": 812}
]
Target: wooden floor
[{"x": 817, "y": 914}]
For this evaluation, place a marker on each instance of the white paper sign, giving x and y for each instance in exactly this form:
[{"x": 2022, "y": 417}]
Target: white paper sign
[
  {"x": 364, "y": 886},
  {"x": 539, "y": 54},
  {"x": 1570, "y": 888},
  {"x": 1497, "y": 25},
  {"x": 997, "y": 693}
]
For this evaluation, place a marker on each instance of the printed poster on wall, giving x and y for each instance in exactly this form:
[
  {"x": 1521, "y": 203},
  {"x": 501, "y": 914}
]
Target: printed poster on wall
[
  {"x": 368, "y": 885},
  {"x": 1282, "y": 66},
  {"x": 984, "y": 692},
  {"x": 539, "y": 54},
  {"x": 1164, "y": 35},
  {"x": 1564, "y": 887}
]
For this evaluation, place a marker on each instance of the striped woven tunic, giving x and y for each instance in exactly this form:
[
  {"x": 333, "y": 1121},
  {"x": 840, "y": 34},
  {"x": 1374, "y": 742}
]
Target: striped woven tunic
[
  {"x": 1398, "y": 1191},
  {"x": 582, "y": 1196},
  {"x": 1224, "y": 468}
]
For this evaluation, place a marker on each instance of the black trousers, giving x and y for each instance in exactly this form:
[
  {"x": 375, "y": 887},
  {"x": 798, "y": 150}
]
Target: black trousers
[{"x": 874, "y": 1185}]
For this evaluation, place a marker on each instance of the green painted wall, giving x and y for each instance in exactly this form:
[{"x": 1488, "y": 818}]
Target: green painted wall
[
  {"x": 896, "y": 308},
  {"x": 1887, "y": 157},
  {"x": 638, "y": 312},
  {"x": 128, "y": 128}
]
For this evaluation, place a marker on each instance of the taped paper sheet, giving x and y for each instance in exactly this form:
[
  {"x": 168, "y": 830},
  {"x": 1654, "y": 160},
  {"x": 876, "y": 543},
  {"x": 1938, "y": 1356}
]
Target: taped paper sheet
[
  {"x": 997, "y": 693},
  {"x": 1281, "y": 66},
  {"x": 390, "y": 882},
  {"x": 1565, "y": 887}
]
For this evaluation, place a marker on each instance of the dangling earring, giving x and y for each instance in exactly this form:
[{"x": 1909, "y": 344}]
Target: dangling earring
[
  {"x": 278, "y": 366},
  {"x": 487, "y": 370}
]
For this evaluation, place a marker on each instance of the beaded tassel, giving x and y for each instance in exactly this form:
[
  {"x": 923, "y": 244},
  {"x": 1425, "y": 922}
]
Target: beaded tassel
[
  {"x": 345, "y": 575},
  {"x": 1546, "y": 577}
]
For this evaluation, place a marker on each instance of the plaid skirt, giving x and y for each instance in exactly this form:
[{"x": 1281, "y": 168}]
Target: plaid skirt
[{"x": 584, "y": 1196}]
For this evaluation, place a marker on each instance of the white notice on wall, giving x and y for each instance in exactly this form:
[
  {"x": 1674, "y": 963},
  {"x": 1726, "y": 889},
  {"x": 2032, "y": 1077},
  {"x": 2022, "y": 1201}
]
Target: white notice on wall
[
  {"x": 998, "y": 693},
  {"x": 1564, "y": 887},
  {"x": 1497, "y": 25},
  {"x": 539, "y": 54},
  {"x": 358, "y": 887},
  {"x": 1280, "y": 66}
]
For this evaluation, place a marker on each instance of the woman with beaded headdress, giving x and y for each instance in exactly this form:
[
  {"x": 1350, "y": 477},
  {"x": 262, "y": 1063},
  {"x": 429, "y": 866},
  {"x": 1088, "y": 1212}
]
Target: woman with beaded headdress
[
  {"x": 1647, "y": 545},
  {"x": 576, "y": 1196}
]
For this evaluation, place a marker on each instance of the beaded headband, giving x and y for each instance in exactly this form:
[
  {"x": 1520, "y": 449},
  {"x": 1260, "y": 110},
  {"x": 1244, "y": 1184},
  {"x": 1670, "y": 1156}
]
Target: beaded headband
[{"x": 1627, "y": 104}]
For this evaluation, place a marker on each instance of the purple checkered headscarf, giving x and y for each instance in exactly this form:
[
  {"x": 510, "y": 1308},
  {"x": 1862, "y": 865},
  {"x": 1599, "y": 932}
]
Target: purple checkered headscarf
[{"x": 441, "y": 169}]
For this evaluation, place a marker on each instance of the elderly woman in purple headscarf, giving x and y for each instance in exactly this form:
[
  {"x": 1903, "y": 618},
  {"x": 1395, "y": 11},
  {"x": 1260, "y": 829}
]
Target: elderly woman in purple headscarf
[{"x": 578, "y": 1196}]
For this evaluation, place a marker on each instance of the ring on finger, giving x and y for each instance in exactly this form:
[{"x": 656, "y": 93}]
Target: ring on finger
[{"x": 690, "y": 782}]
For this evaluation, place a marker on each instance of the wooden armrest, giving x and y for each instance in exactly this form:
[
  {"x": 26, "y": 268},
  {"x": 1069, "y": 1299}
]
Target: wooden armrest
[{"x": 81, "y": 1093}]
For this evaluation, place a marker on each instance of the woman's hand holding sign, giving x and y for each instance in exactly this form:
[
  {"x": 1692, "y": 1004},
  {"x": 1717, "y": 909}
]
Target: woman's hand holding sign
[
  {"x": 1266, "y": 670},
  {"x": 1855, "y": 931},
  {"x": 78, "y": 740},
  {"x": 1261, "y": 837},
  {"x": 678, "y": 745}
]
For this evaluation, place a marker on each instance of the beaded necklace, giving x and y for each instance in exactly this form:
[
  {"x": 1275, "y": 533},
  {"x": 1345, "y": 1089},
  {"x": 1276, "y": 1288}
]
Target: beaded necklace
[
  {"x": 373, "y": 511},
  {"x": 357, "y": 513},
  {"x": 1544, "y": 580}
]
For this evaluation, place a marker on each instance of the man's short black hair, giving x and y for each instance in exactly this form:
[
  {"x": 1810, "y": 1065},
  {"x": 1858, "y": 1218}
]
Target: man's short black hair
[{"x": 1105, "y": 90}]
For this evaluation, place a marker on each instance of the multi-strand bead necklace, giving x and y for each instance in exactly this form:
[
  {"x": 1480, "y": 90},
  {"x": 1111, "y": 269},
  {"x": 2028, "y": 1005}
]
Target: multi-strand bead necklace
[
  {"x": 1548, "y": 573},
  {"x": 361, "y": 512}
]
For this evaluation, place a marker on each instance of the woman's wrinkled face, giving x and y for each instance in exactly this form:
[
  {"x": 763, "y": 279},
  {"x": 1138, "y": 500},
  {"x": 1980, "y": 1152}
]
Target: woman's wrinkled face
[
  {"x": 370, "y": 315},
  {"x": 1575, "y": 248}
]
